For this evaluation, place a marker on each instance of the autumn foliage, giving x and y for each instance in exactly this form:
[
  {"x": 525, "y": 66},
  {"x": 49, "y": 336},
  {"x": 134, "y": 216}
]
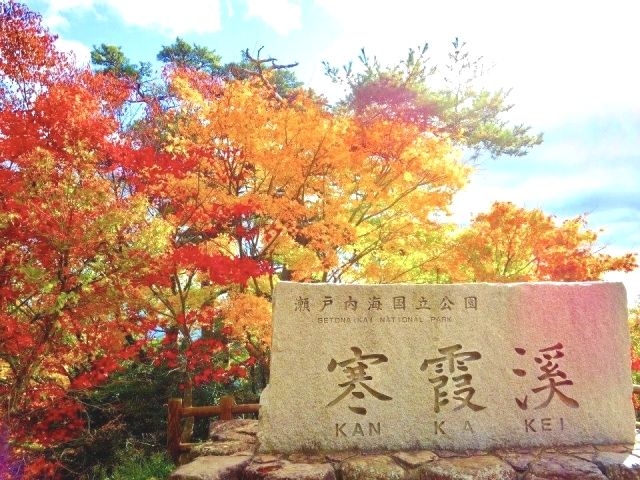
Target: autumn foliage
[
  {"x": 97, "y": 253},
  {"x": 158, "y": 237},
  {"x": 512, "y": 244}
]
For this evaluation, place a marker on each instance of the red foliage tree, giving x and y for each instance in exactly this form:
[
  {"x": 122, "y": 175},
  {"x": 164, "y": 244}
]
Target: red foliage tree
[
  {"x": 198, "y": 261},
  {"x": 98, "y": 250},
  {"x": 68, "y": 238}
]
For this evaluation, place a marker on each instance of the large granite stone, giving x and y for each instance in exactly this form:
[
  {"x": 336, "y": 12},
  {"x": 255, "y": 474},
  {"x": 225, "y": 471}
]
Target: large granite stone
[{"x": 447, "y": 367}]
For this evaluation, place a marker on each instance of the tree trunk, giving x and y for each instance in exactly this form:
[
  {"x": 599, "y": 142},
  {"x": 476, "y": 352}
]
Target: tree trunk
[{"x": 187, "y": 401}]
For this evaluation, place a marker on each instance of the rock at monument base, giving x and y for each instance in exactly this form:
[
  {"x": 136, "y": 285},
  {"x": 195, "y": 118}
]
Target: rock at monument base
[
  {"x": 618, "y": 466},
  {"x": 519, "y": 461},
  {"x": 414, "y": 459},
  {"x": 225, "y": 448},
  {"x": 212, "y": 468},
  {"x": 260, "y": 469},
  {"x": 374, "y": 467},
  {"x": 580, "y": 462},
  {"x": 459, "y": 453},
  {"x": 228, "y": 437},
  {"x": 231, "y": 447},
  {"x": 580, "y": 449},
  {"x": 267, "y": 458},
  {"x": 284, "y": 470},
  {"x": 339, "y": 457},
  {"x": 238, "y": 429},
  {"x": 562, "y": 467},
  {"x": 307, "y": 458},
  {"x": 614, "y": 448},
  {"x": 485, "y": 467}
]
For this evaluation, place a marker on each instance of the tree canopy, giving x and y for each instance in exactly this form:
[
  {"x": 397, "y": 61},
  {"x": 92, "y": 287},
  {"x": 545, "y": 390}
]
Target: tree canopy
[
  {"x": 195, "y": 57},
  {"x": 470, "y": 115}
]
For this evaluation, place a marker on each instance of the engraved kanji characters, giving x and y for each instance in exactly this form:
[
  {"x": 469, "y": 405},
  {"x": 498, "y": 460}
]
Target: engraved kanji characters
[
  {"x": 326, "y": 301},
  {"x": 471, "y": 303},
  {"x": 375, "y": 303},
  {"x": 351, "y": 304},
  {"x": 451, "y": 362},
  {"x": 446, "y": 303},
  {"x": 378, "y": 303},
  {"x": 301, "y": 304},
  {"x": 399, "y": 303},
  {"x": 423, "y": 304},
  {"x": 551, "y": 375},
  {"x": 355, "y": 369}
]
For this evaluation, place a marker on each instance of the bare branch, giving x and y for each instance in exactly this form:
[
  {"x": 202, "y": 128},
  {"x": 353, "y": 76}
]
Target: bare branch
[{"x": 262, "y": 66}]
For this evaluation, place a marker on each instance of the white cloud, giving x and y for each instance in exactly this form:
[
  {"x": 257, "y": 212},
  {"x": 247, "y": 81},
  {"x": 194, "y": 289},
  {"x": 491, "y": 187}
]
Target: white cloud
[
  {"x": 563, "y": 59},
  {"x": 631, "y": 282},
  {"x": 54, "y": 17},
  {"x": 55, "y": 21},
  {"x": 80, "y": 51},
  {"x": 187, "y": 16},
  {"x": 281, "y": 15},
  {"x": 530, "y": 191},
  {"x": 229, "y": 6},
  {"x": 171, "y": 18},
  {"x": 175, "y": 18}
]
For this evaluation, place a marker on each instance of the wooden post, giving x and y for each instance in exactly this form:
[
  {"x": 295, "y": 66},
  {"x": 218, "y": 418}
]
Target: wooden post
[
  {"x": 226, "y": 407},
  {"x": 173, "y": 427}
]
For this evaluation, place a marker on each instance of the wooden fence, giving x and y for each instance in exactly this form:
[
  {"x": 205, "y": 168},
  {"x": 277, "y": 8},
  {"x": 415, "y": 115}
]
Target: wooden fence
[{"x": 225, "y": 410}]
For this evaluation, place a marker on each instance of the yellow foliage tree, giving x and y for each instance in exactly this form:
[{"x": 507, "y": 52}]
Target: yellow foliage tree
[{"x": 512, "y": 244}]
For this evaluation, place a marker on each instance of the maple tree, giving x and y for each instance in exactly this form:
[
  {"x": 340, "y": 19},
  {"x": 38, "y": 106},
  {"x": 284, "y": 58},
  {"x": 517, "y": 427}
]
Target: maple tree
[
  {"x": 70, "y": 242},
  {"x": 88, "y": 247},
  {"x": 322, "y": 179},
  {"x": 414, "y": 242},
  {"x": 511, "y": 244},
  {"x": 327, "y": 190},
  {"x": 505, "y": 244},
  {"x": 198, "y": 264}
]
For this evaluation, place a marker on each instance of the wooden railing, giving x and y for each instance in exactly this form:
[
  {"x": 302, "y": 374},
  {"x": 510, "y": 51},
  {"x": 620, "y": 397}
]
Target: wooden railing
[{"x": 225, "y": 410}]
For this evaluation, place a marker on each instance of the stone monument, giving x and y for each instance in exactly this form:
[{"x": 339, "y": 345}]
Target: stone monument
[{"x": 455, "y": 367}]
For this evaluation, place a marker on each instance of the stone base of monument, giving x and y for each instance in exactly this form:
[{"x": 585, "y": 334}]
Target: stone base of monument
[{"x": 230, "y": 455}]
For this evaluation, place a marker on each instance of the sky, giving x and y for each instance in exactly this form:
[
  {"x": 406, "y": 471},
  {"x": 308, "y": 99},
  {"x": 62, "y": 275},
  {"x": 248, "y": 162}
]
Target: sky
[{"x": 571, "y": 66}]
